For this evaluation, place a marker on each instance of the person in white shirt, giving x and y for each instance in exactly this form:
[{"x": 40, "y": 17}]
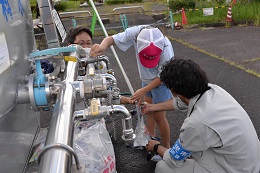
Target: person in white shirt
[
  {"x": 152, "y": 51},
  {"x": 217, "y": 132}
]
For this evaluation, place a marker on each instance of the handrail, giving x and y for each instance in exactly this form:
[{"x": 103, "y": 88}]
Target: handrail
[
  {"x": 74, "y": 13},
  {"x": 62, "y": 146},
  {"x": 129, "y": 7}
]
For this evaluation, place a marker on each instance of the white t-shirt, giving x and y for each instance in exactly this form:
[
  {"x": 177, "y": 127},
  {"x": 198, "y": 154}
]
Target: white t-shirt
[{"x": 128, "y": 38}]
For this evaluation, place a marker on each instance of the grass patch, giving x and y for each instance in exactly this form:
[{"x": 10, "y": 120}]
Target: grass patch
[
  {"x": 250, "y": 11},
  {"x": 240, "y": 11}
]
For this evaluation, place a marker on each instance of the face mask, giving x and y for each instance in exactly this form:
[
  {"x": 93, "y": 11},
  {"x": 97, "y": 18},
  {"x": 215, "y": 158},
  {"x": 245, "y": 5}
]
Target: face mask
[{"x": 180, "y": 105}]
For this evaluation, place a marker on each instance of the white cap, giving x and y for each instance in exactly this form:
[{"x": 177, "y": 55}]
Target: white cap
[{"x": 150, "y": 43}]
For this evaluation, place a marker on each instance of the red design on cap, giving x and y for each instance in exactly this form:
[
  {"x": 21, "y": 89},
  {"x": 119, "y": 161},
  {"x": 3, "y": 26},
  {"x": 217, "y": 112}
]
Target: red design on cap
[{"x": 150, "y": 56}]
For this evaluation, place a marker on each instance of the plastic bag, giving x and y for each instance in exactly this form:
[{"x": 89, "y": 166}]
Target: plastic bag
[
  {"x": 94, "y": 147},
  {"x": 141, "y": 131}
]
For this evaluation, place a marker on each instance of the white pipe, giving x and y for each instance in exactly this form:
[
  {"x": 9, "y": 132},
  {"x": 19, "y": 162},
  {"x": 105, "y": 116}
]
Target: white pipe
[{"x": 112, "y": 48}]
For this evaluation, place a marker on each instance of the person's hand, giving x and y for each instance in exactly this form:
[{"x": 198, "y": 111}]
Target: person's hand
[
  {"x": 126, "y": 100},
  {"x": 97, "y": 50},
  {"x": 146, "y": 107},
  {"x": 151, "y": 144},
  {"x": 138, "y": 95}
]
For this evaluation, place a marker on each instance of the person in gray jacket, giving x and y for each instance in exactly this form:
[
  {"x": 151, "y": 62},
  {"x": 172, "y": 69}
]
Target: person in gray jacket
[{"x": 217, "y": 132}]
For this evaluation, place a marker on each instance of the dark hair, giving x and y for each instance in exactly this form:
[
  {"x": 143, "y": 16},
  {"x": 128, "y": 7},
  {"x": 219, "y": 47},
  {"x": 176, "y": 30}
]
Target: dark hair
[
  {"x": 73, "y": 32},
  {"x": 184, "y": 77}
]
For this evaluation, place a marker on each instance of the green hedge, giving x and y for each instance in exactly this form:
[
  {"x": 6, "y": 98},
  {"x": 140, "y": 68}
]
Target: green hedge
[
  {"x": 176, "y": 5},
  {"x": 61, "y": 6},
  {"x": 33, "y": 6},
  {"x": 111, "y": 2}
]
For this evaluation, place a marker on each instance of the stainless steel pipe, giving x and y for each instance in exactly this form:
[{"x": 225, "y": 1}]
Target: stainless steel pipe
[
  {"x": 128, "y": 132},
  {"x": 57, "y": 160}
]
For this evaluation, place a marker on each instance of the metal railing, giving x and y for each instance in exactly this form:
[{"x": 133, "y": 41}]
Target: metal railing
[
  {"x": 130, "y": 7},
  {"x": 74, "y": 13}
]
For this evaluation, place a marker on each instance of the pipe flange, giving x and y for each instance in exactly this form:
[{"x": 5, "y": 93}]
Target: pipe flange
[
  {"x": 129, "y": 139},
  {"x": 47, "y": 89},
  {"x": 31, "y": 92}
]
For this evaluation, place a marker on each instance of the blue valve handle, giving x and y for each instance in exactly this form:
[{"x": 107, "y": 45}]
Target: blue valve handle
[
  {"x": 39, "y": 81},
  {"x": 48, "y": 53}
]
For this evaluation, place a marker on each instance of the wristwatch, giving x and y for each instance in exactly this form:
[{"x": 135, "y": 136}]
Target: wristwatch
[{"x": 155, "y": 148}]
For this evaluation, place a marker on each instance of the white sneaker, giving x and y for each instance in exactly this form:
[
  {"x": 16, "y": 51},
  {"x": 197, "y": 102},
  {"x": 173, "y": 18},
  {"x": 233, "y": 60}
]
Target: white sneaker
[{"x": 156, "y": 158}]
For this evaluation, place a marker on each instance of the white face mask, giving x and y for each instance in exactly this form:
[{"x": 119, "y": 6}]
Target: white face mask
[{"x": 180, "y": 105}]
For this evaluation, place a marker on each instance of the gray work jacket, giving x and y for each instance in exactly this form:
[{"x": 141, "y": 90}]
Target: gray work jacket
[{"x": 220, "y": 134}]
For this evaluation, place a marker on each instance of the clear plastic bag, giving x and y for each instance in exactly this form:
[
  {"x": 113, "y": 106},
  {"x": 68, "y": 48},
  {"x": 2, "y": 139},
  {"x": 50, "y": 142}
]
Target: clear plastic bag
[
  {"x": 141, "y": 131},
  {"x": 94, "y": 147}
]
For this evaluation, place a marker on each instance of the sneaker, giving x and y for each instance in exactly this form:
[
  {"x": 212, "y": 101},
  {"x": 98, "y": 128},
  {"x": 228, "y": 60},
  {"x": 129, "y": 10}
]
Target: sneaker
[{"x": 156, "y": 158}]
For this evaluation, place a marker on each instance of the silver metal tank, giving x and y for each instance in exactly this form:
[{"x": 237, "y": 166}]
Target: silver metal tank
[{"x": 18, "y": 122}]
